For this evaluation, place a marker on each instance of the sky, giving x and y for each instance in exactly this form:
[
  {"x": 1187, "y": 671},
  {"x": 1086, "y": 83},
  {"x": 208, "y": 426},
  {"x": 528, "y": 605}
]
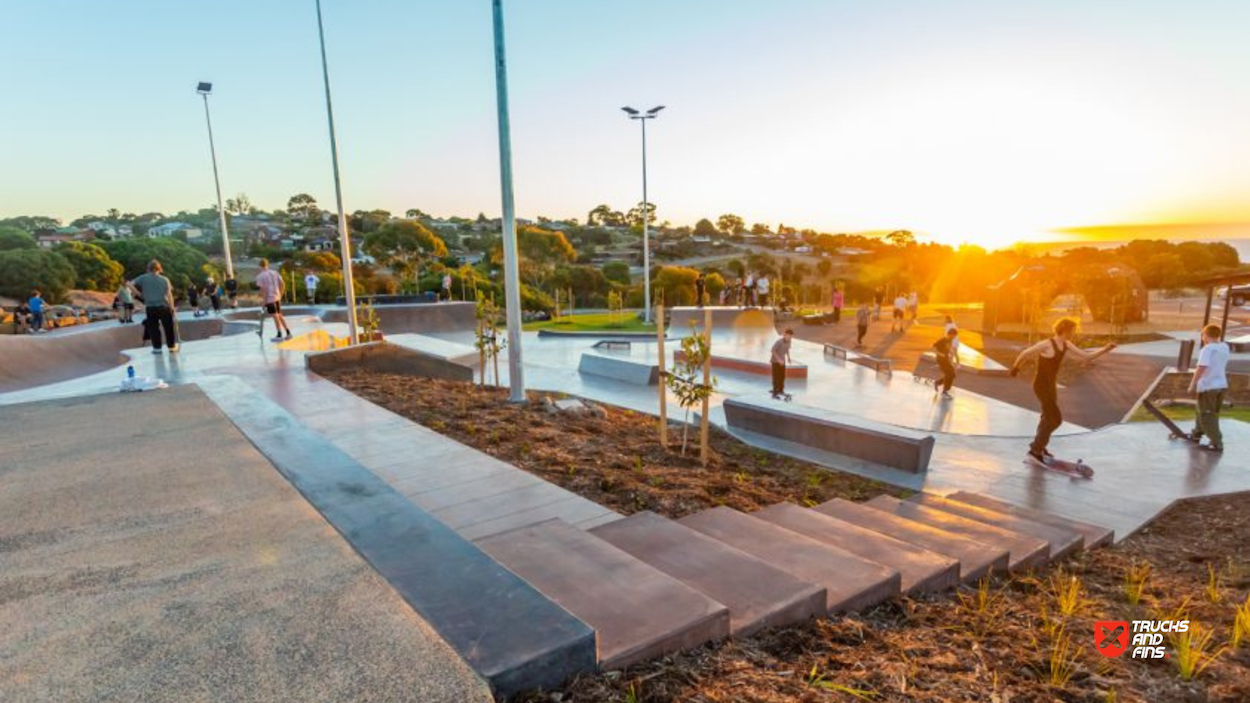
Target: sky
[{"x": 977, "y": 120}]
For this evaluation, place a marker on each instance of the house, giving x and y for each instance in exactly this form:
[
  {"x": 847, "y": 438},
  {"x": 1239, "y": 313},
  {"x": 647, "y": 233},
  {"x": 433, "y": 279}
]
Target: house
[
  {"x": 320, "y": 244},
  {"x": 48, "y": 238},
  {"x": 168, "y": 229}
]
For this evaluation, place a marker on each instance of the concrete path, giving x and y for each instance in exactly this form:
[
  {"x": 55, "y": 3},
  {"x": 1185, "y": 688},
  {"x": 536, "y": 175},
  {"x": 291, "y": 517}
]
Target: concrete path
[{"x": 149, "y": 553}]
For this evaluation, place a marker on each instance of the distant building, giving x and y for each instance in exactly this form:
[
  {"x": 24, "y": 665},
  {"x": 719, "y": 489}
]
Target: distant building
[{"x": 169, "y": 229}]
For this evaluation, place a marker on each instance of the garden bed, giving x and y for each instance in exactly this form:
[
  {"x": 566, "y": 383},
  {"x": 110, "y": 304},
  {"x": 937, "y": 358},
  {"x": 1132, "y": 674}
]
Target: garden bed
[{"x": 1007, "y": 642}]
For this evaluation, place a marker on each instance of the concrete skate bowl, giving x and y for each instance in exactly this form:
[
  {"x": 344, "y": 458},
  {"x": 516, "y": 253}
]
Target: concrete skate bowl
[
  {"x": 422, "y": 318},
  {"x": 73, "y": 352}
]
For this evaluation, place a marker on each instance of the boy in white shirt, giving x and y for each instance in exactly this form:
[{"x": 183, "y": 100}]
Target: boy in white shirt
[{"x": 1211, "y": 383}]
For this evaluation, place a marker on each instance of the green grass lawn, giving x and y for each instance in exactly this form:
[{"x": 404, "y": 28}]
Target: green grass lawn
[
  {"x": 1185, "y": 413},
  {"x": 627, "y": 321}
]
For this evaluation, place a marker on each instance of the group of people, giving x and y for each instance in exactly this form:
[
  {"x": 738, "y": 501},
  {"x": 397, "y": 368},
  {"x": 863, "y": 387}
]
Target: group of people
[
  {"x": 28, "y": 317},
  {"x": 750, "y": 291},
  {"x": 206, "y": 297}
]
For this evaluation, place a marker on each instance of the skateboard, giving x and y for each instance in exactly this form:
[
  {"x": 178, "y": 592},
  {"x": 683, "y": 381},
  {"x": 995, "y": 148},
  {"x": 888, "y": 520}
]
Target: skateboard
[
  {"x": 782, "y": 396},
  {"x": 1176, "y": 431},
  {"x": 1077, "y": 468}
]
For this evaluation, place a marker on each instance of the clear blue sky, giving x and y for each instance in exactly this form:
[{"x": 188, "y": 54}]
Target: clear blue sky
[{"x": 975, "y": 119}]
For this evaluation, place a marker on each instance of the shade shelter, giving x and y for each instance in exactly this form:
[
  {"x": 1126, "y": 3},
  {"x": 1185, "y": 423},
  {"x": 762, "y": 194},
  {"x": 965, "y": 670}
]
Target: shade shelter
[{"x": 1227, "y": 280}]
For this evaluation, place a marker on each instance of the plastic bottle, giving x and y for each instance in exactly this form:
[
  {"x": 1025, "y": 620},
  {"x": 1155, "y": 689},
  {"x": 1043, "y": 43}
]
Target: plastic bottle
[{"x": 130, "y": 372}]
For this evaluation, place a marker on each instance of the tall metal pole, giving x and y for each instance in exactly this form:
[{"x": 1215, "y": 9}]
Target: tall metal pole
[
  {"x": 345, "y": 244},
  {"x": 646, "y": 231},
  {"x": 221, "y": 210},
  {"x": 512, "y": 277}
]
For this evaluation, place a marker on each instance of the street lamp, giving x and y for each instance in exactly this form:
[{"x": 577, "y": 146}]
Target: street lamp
[
  {"x": 204, "y": 89},
  {"x": 345, "y": 244},
  {"x": 512, "y": 277},
  {"x": 642, "y": 117}
]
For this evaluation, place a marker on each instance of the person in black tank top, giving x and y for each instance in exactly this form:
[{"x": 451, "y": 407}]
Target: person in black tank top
[{"x": 1050, "y": 354}]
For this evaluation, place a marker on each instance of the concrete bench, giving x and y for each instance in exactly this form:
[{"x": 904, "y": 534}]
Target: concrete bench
[
  {"x": 851, "y": 436},
  {"x": 620, "y": 368},
  {"x": 612, "y": 344},
  {"x": 872, "y": 362},
  {"x": 755, "y": 366}
]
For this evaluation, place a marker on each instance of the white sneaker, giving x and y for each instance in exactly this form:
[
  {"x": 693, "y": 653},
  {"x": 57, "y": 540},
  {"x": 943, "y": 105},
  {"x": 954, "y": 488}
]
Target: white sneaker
[{"x": 156, "y": 351}]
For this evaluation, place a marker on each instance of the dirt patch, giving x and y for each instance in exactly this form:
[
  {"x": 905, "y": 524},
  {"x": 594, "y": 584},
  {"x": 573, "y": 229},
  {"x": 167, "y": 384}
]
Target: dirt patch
[
  {"x": 1008, "y": 641},
  {"x": 614, "y": 459}
]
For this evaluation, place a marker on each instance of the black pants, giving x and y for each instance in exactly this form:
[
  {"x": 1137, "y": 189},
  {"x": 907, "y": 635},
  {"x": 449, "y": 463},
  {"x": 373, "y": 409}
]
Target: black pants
[
  {"x": 859, "y": 340},
  {"x": 837, "y": 315},
  {"x": 948, "y": 374},
  {"x": 158, "y": 318},
  {"x": 1052, "y": 418},
  {"x": 779, "y": 378}
]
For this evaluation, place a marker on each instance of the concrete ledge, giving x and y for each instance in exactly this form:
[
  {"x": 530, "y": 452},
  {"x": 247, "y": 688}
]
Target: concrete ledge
[
  {"x": 619, "y": 368},
  {"x": 871, "y": 362},
  {"x": 855, "y": 437},
  {"x": 755, "y": 366},
  {"x": 598, "y": 334},
  {"x": 384, "y": 357}
]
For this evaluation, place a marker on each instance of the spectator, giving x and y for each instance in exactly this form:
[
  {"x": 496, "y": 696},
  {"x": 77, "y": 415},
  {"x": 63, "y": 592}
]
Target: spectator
[
  {"x": 36, "y": 311},
  {"x": 213, "y": 292},
  {"x": 126, "y": 304},
  {"x": 311, "y": 280},
  {"x": 839, "y": 300},
  {"x": 158, "y": 305},
  {"x": 232, "y": 291}
]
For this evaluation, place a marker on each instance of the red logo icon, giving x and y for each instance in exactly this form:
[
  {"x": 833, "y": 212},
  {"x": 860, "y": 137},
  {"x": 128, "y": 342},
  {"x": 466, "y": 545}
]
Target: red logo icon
[{"x": 1111, "y": 637}]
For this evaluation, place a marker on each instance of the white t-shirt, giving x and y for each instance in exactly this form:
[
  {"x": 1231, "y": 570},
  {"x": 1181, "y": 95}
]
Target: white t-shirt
[
  {"x": 311, "y": 281},
  {"x": 270, "y": 284},
  {"x": 900, "y": 303},
  {"x": 1214, "y": 357},
  {"x": 762, "y": 285}
]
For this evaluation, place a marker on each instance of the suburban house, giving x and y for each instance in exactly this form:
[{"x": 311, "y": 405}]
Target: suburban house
[
  {"x": 169, "y": 229},
  {"x": 48, "y": 238}
]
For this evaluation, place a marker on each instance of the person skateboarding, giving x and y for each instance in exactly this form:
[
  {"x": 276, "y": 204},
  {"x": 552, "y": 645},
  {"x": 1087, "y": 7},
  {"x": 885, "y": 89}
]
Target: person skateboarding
[
  {"x": 1210, "y": 382},
  {"x": 781, "y": 355},
  {"x": 1050, "y": 354},
  {"x": 272, "y": 289},
  {"x": 944, "y": 351},
  {"x": 862, "y": 317}
]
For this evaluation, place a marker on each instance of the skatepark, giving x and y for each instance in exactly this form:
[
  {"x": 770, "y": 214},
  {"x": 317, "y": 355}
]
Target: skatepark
[{"x": 394, "y": 494}]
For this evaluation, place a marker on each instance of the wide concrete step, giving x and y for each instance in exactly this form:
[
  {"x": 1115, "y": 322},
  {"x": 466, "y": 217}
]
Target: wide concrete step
[
  {"x": 1063, "y": 541},
  {"x": 1024, "y": 552},
  {"x": 922, "y": 570},
  {"x": 851, "y": 582},
  {"x": 757, "y": 594},
  {"x": 1095, "y": 535},
  {"x": 976, "y": 559},
  {"x": 637, "y": 611}
]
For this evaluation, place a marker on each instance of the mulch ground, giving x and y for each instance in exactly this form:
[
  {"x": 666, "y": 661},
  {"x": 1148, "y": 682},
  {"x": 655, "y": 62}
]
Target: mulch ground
[{"x": 1008, "y": 641}]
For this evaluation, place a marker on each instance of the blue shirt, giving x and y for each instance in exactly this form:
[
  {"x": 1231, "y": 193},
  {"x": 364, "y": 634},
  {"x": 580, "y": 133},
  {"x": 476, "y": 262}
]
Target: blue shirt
[{"x": 35, "y": 304}]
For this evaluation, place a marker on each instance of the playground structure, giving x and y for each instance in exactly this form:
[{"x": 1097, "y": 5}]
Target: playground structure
[{"x": 1114, "y": 293}]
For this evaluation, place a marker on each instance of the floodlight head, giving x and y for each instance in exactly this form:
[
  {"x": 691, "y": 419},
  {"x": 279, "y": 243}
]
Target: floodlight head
[
  {"x": 204, "y": 88},
  {"x": 630, "y": 111},
  {"x": 654, "y": 111}
]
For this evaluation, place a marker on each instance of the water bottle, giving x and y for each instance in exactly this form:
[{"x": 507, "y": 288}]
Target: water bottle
[{"x": 130, "y": 372}]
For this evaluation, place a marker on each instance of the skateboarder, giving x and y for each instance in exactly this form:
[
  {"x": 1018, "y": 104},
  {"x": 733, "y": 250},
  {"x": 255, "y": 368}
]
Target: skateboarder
[
  {"x": 878, "y": 297},
  {"x": 1210, "y": 381},
  {"x": 900, "y": 312},
  {"x": 862, "y": 317},
  {"x": 944, "y": 352},
  {"x": 1050, "y": 354},
  {"x": 839, "y": 299},
  {"x": 781, "y": 355},
  {"x": 272, "y": 288},
  {"x": 762, "y": 289}
]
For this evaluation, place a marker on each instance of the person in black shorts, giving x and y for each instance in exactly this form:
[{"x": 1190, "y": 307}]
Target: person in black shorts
[
  {"x": 232, "y": 291},
  {"x": 944, "y": 352},
  {"x": 1050, "y": 354}
]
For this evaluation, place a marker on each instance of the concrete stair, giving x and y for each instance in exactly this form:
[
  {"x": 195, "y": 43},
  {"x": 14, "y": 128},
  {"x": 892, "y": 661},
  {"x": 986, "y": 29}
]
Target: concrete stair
[
  {"x": 1095, "y": 535},
  {"x": 851, "y": 582},
  {"x": 975, "y": 559},
  {"x": 1063, "y": 541},
  {"x": 1024, "y": 552},
  {"x": 922, "y": 571},
  {"x": 637, "y": 611},
  {"x": 757, "y": 594}
]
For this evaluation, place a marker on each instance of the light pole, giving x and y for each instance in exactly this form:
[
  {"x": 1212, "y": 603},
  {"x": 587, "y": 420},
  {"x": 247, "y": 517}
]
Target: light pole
[
  {"x": 512, "y": 277},
  {"x": 345, "y": 243},
  {"x": 204, "y": 89},
  {"x": 642, "y": 117}
]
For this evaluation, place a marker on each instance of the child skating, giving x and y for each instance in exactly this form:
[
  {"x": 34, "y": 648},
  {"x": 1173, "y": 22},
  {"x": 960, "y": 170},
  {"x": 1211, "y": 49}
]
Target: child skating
[{"x": 780, "y": 357}]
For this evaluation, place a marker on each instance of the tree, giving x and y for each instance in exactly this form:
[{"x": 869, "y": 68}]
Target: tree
[
  {"x": 760, "y": 229},
  {"x": 403, "y": 245},
  {"x": 304, "y": 207},
  {"x": 730, "y": 224},
  {"x": 240, "y": 205},
  {"x": 416, "y": 214},
  {"x": 182, "y": 262},
  {"x": 30, "y": 223},
  {"x": 823, "y": 267},
  {"x": 14, "y": 238},
  {"x": 24, "y": 270},
  {"x": 617, "y": 271},
  {"x": 541, "y": 251},
  {"x": 93, "y": 268},
  {"x": 677, "y": 284},
  {"x": 634, "y": 218},
  {"x": 704, "y": 228},
  {"x": 605, "y": 216},
  {"x": 901, "y": 238},
  {"x": 366, "y": 222}
]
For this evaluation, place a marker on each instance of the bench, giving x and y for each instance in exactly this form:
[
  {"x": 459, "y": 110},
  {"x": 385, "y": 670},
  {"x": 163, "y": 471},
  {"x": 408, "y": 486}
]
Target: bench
[
  {"x": 848, "y": 435},
  {"x": 619, "y": 368},
  {"x": 837, "y": 351},
  {"x": 612, "y": 344},
  {"x": 872, "y": 362}
]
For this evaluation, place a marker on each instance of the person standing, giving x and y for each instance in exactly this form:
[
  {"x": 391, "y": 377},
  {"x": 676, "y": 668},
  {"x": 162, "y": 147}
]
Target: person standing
[
  {"x": 900, "y": 316},
  {"x": 779, "y": 358},
  {"x": 1210, "y": 382},
  {"x": 700, "y": 287},
  {"x": 232, "y": 291},
  {"x": 445, "y": 294},
  {"x": 310, "y": 285},
  {"x": 193, "y": 299},
  {"x": 1050, "y": 354},
  {"x": 749, "y": 289},
  {"x": 944, "y": 353},
  {"x": 762, "y": 289},
  {"x": 126, "y": 304},
  {"x": 35, "y": 303},
  {"x": 272, "y": 289},
  {"x": 862, "y": 317},
  {"x": 213, "y": 291},
  {"x": 913, "y": 304},
  {"x": 878, "y": 297},
  {"x": 158, "y": 306},
  {"x": 839, "y": 299},
  {"x": 950, "y": 325}
]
